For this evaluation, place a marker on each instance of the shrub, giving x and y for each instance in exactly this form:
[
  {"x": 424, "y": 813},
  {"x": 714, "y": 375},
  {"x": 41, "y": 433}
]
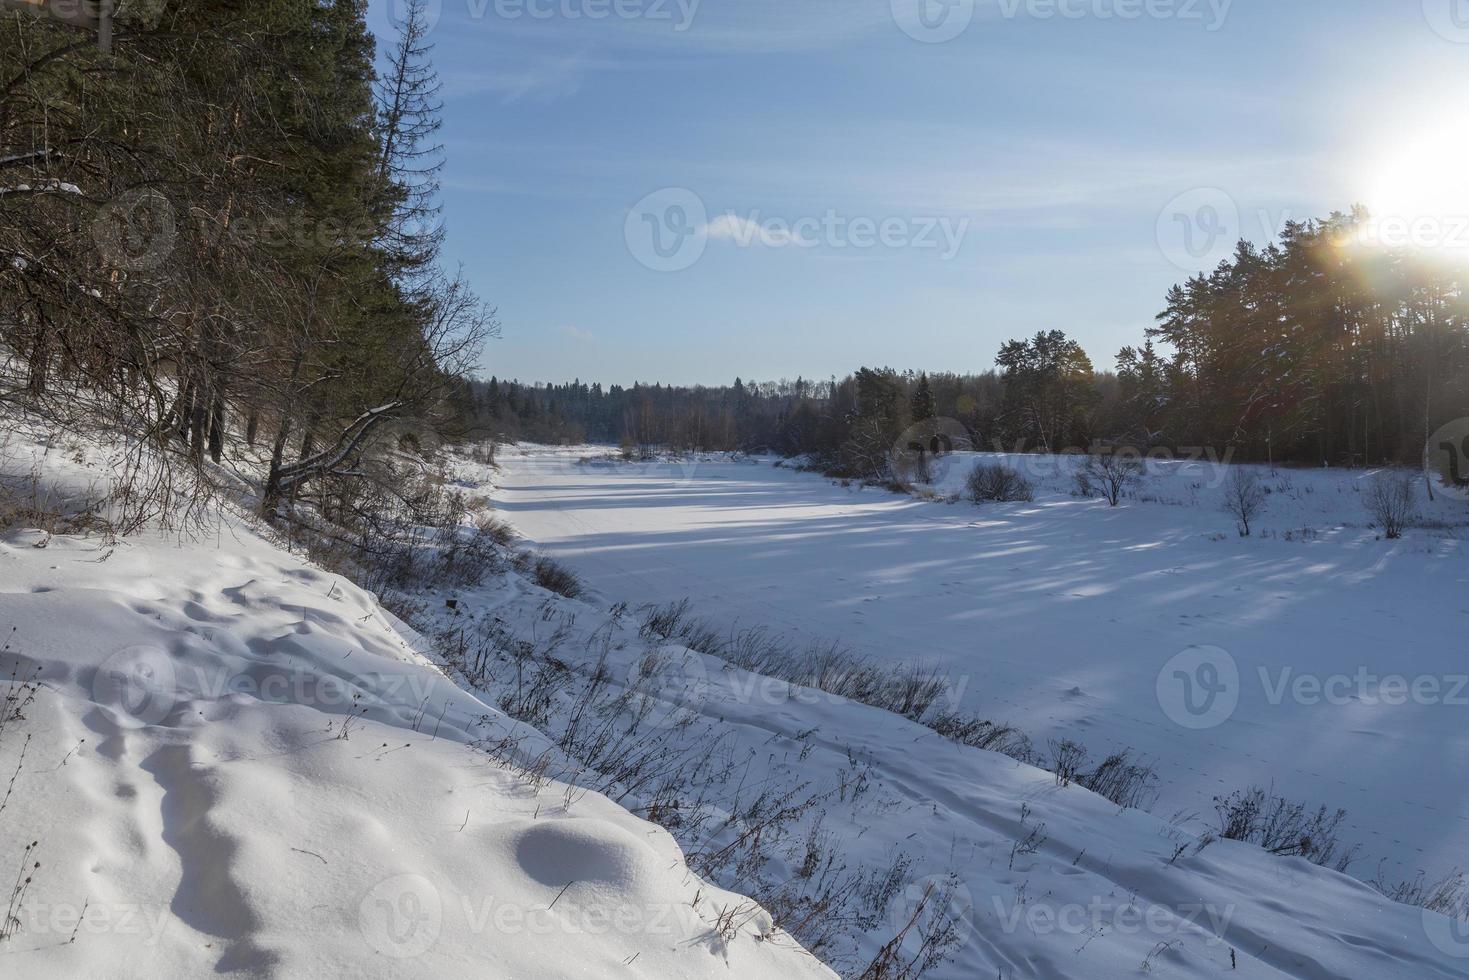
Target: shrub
[
  {"x": 1066, "y": 761},
  {"x": 555, "y": 577},
  {"x": 663, "y": 621},
  {"x": 1447, "y": 896},
  {"x": 1118, "y": 778},
  {"x": 497, "y": 531},
  {"x": 975, "y": 732},
  {"x": 464, "y": 557},
  {"x": 1259, "y": 817},
  {"x": 1391, "y": 503},
  {"x": 1001, "y": 484},
  {"x": 1110, "y": 475},
  {"x": 1124, "y": 782},
  {"x": 523, "y": 562},
  {"x": 1244, "y": 497},
  {"x": 676, "y": 624}
]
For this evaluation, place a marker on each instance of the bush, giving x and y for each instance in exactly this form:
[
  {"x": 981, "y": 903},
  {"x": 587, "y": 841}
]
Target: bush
[
  {"x": 555, "y": 577},
  {"x": 1259, "y": 817},
  {"x": 1244, "y": 497},
  {"x": 1124, "y": 782},
  {"x": 675, "y": 624},
  {"x": 1118, "y": 778},
  {"x": 977, "y": 733},
  {"x": 463, "y": 557},
  {"x": 1001, "y": 484},
  {"x": 497, "y": 531},
  {"x": 399, "y": 544},
  {"x": 1066, "y": 761},
  {"x": 1447, "y": 896},
  {"x": 1391, "y": 503},
  {"x": 1110, "y": 475}
]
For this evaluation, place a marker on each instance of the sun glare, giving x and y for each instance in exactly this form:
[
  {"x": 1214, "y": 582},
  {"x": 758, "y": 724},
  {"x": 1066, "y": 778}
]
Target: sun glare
[{"x": 1418, "y": 192}]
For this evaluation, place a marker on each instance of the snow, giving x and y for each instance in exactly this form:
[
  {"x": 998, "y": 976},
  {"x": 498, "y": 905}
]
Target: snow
[
  {"x": 1071, "y": 619},
  {"x": 59, "y": 186},
  {"x": 242, "y": 763},
  {"x": 239, "y": 763}
]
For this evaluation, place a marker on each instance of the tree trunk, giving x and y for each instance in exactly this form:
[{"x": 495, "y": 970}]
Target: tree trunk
[
  {"x": 272, "y": 493},
  {"x": 198, "y": 417},
  {"x": 185, "y": 412},
  {"x": 216, "y": 427},
  {"x": 40, "y": 356}
]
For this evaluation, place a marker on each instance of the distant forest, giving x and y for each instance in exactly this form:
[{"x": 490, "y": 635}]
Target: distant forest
[{"x": 1316, "y": 349}]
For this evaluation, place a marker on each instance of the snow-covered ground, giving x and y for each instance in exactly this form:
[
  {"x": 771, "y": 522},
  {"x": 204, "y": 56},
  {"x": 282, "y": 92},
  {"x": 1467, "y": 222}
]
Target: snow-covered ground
[
  {"x": 241, "y": 763},
  {"x": 1044, "y": 881},
  {"x": 1314, "y": 655},
  {"x": 238, "y": 763}
]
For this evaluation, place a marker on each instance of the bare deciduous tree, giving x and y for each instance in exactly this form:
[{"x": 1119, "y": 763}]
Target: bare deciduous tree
[
  {"x": 1111, "y": 475},
  {"x": 1391, "y": 503},
  {"x": 1244, "y": 498}
]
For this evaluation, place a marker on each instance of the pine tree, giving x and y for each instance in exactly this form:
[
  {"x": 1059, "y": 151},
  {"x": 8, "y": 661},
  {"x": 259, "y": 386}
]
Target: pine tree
[
  {"x": 410, "y": 155},
  {"x": 1049, "y": 385},
  {"x": 922, "y": 402}
]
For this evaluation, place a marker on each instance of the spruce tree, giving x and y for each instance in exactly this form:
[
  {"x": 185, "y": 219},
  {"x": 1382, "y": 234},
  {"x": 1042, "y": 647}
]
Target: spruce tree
[
  {"x": 410, "y": 155},
  {"x": 922, "y": 401}
]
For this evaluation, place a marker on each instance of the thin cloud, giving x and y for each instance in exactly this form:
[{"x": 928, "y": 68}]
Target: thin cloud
[
  {"x": 744, "y": 231},
  {"x": 545, "y": 78}
]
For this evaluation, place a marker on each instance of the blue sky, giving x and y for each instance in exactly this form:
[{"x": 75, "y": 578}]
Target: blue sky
[{"x": 842, "y": 192}]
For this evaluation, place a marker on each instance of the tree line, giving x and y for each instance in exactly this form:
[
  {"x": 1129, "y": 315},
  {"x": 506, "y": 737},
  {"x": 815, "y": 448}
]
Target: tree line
[
  {"x": 223, "y": 234},
  {"x": 1318, "y": 349},
  {"x": 225, "y": 229}
]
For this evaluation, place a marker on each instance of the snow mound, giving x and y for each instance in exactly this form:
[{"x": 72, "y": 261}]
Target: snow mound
[{"x": 236, "y": 763}]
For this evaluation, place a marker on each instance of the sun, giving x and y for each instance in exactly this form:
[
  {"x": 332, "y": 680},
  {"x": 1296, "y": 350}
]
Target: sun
[{"x": 1418, "y": 189}]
